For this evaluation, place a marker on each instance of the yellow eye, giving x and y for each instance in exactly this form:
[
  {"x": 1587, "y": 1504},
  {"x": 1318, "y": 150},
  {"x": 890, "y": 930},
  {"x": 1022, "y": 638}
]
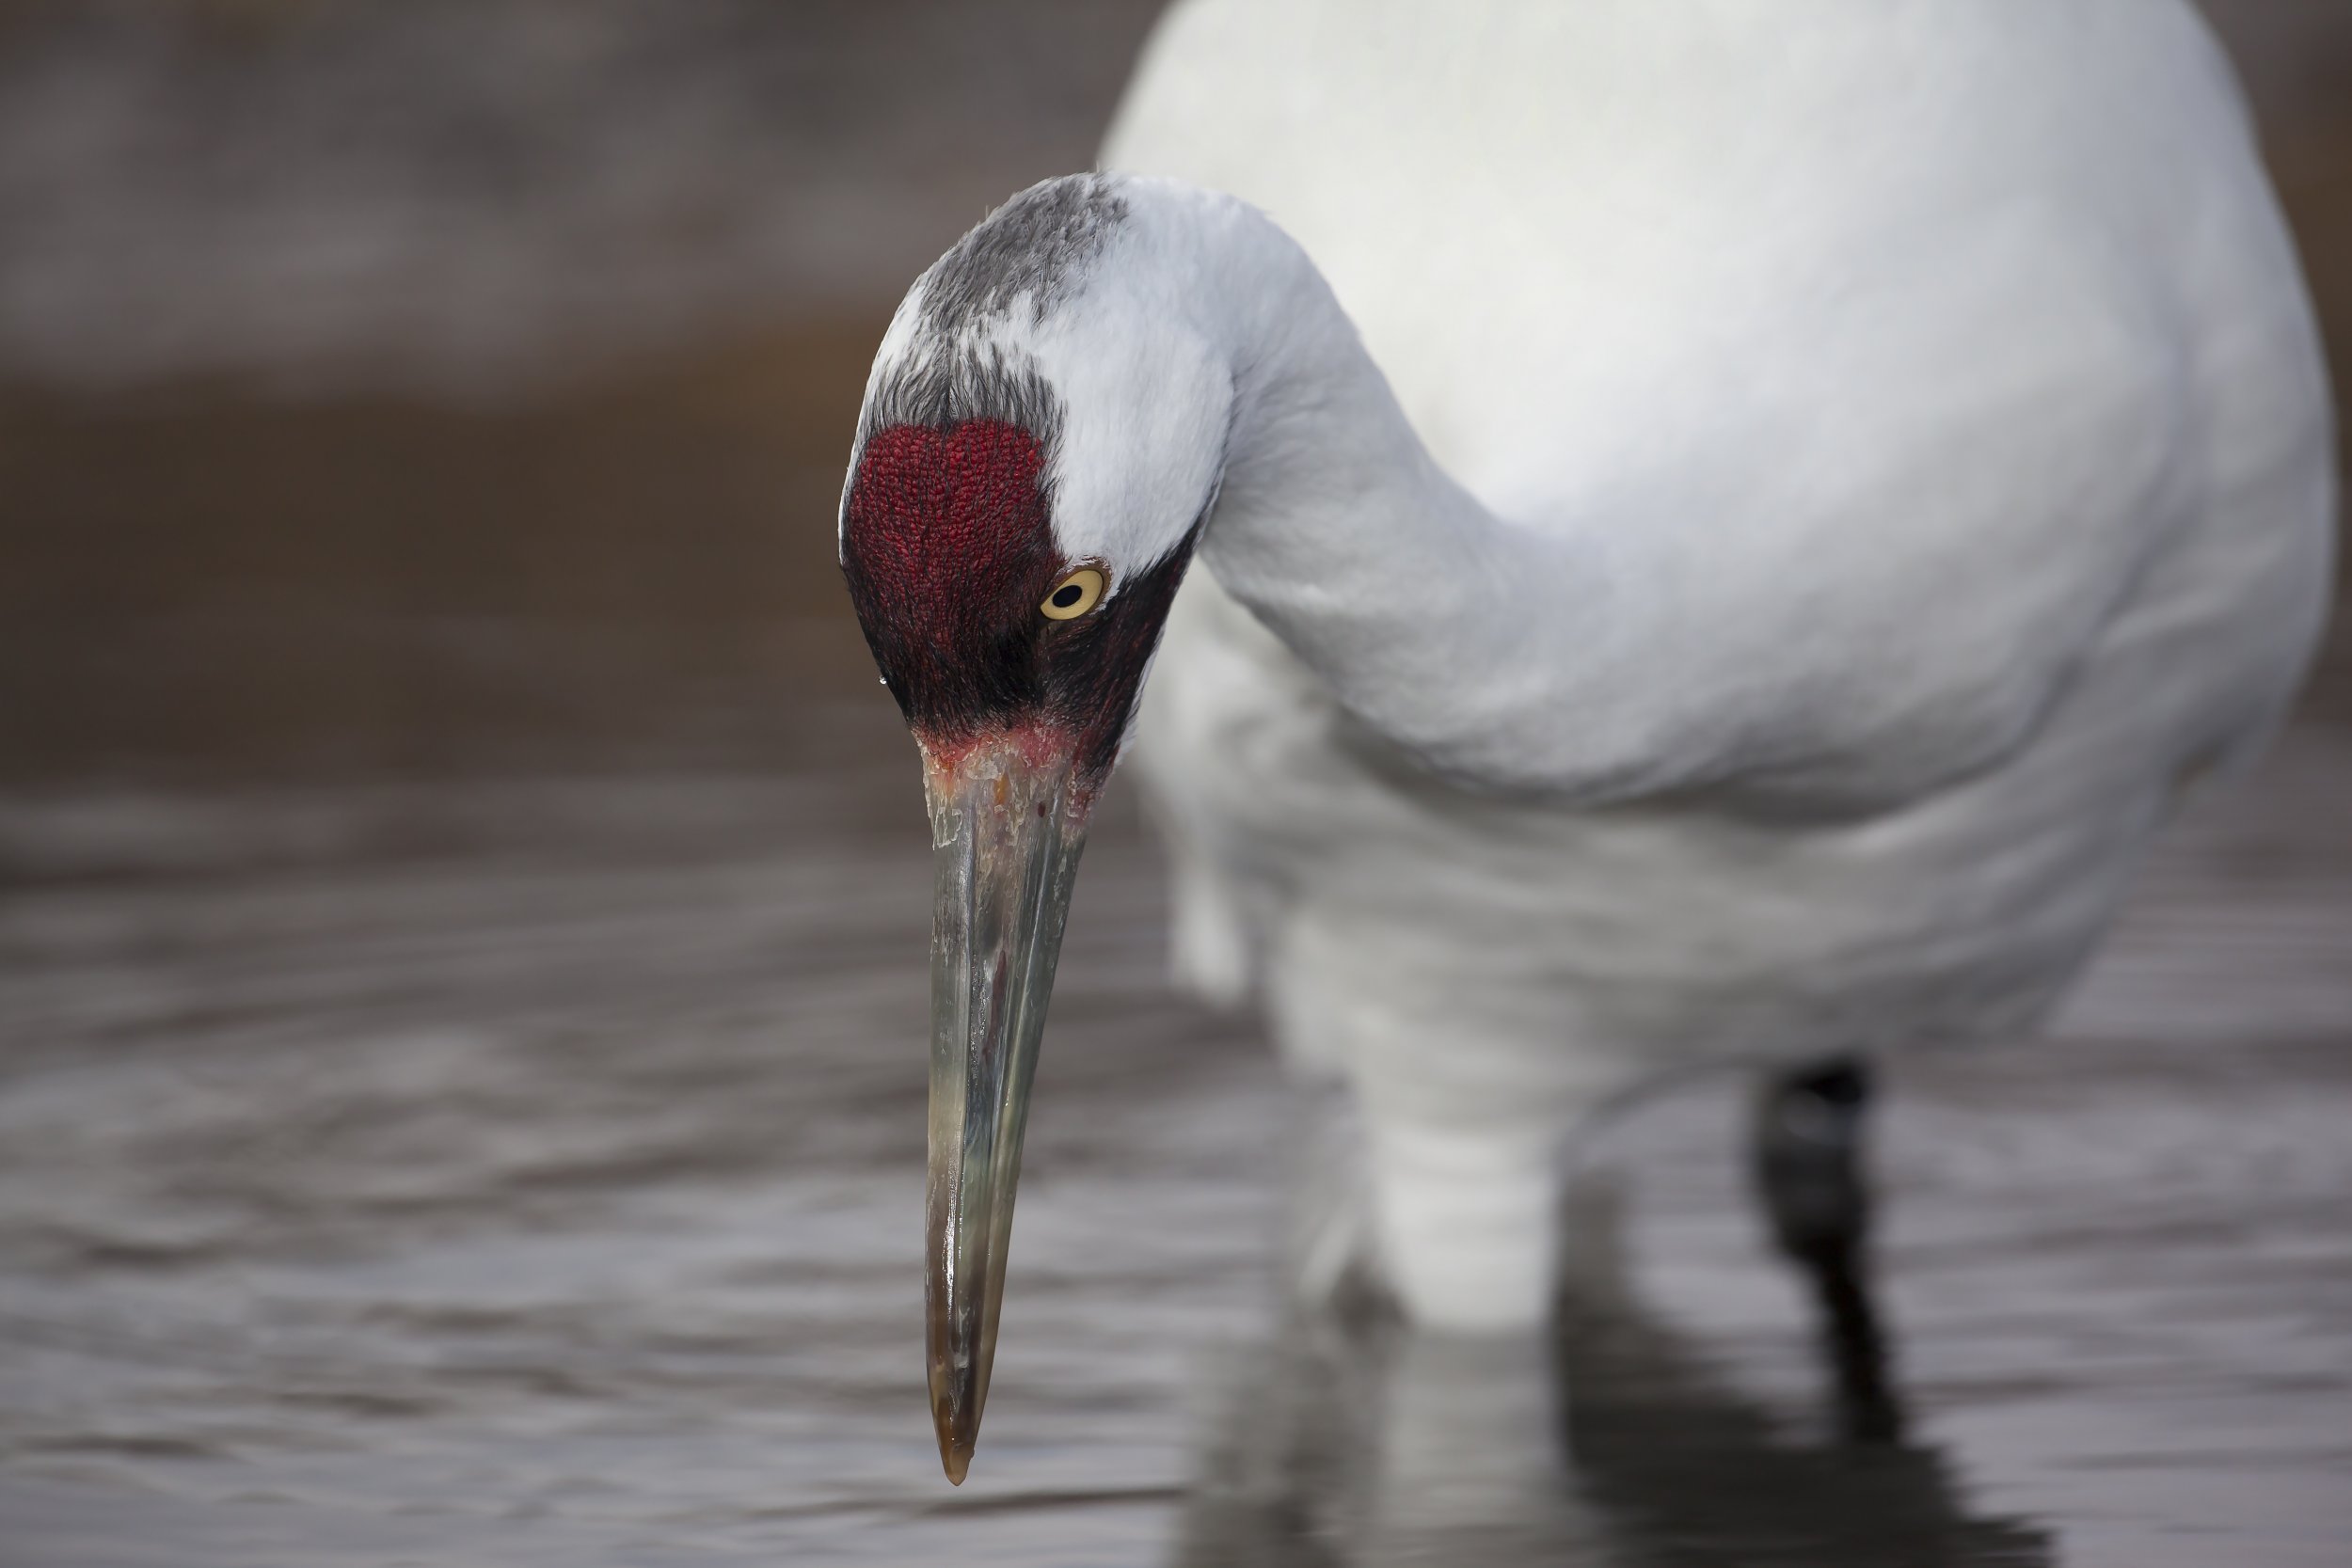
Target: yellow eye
[{"x": 1073, "y": 596}]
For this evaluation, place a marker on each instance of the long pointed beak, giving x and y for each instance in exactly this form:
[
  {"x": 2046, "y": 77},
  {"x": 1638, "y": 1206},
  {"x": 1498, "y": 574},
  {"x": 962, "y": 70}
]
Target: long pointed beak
[{"x": 1007, "y": 828}]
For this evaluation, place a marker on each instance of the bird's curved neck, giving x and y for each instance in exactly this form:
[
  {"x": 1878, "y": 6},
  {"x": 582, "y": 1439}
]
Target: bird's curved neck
[{"x": 1430, "y": 617}]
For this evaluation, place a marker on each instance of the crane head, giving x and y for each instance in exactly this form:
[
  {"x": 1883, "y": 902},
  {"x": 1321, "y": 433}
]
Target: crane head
[
  {"x": 1040, "y": 443},
  {"x": 1017, "y": 663}
]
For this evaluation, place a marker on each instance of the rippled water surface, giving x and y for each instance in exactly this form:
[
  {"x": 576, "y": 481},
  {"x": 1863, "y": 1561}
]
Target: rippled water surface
[{"x": 529, "y": 1173}]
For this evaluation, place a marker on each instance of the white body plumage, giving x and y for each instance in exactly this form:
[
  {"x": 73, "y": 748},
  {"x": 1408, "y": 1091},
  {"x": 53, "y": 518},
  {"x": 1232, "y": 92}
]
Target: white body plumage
[{"x": 1870, "y": 457}]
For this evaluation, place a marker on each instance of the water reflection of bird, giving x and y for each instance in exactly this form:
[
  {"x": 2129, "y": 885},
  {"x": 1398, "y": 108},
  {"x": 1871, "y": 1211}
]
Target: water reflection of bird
[
  {"x": 1609, "y": 1440},
  {"x": 1813, "y": 484}
]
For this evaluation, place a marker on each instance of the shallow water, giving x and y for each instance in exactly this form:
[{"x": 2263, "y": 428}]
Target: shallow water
[{"x": 530, "y": 1172}]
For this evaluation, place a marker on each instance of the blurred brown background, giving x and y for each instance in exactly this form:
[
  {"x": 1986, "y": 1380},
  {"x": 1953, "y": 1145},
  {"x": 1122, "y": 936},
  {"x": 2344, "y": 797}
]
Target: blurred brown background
[{"x": 409, "y": 385}]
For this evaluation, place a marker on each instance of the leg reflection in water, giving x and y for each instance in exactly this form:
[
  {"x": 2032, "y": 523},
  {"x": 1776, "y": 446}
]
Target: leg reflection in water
[
  {"x": 1686, "y": 1471},
  {"x": 1353, "y": 1441},
  {"x": 1805, "y": 1155}
]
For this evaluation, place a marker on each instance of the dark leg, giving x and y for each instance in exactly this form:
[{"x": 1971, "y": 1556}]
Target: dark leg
[{"x": 1808, "y": 1154}]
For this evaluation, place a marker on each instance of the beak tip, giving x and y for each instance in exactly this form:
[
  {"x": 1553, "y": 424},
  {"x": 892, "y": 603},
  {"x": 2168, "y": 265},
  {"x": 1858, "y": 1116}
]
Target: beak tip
[
  {"x": 955, "y": 1456},
  {"x": 958, "y": 1437}
]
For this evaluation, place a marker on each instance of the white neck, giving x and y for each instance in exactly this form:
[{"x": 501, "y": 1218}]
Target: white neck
[
  {"x": 1185, "y": 352},
  {"x": 1453, "y": 632}
]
